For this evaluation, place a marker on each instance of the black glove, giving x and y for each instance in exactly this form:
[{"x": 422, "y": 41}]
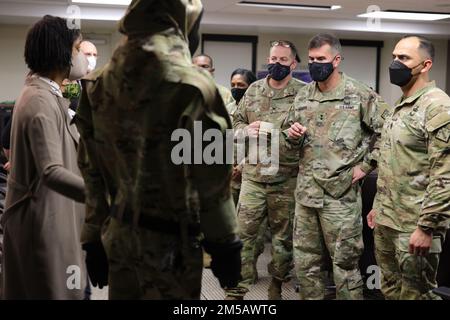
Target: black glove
[
  {"x": 96, "y": 263},
  {"x": 225, "y": 261}
]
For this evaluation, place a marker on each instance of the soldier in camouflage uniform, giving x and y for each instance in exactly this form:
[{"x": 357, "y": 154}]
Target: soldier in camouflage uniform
[
  {"x": 151, "y": 210},
  {"x": 263, "y": 193},
  {"x": 337, "y": 117},
  {"x": 241, "y": 79},
  {"x": 206, "y": 62},
  {"x": 411, "y": 210}
]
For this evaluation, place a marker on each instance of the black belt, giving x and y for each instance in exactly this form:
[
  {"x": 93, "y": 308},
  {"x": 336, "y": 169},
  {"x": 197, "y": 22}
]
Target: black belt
[{"x": 156, "y": 224}]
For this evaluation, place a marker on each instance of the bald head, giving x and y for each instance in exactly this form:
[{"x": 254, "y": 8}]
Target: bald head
[
  {"x": 90, "y": 51},
  {"x": 88, "y": 48},
  {"x": 423, "y": 45}
]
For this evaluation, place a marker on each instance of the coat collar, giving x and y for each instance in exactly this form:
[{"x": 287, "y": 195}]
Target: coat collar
[
  {"x": 289, "y": 90},
  {"x": 44, "y": 83},
  {"x": 337, "y": 93},
  {"x": 416, "y": 95},
  {"x": 63, "y": 103}
]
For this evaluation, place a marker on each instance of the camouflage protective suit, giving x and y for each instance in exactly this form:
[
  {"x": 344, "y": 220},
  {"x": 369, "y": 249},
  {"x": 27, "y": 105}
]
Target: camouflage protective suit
[
  {"x": 413, "y": 190},
  {"x": 267, "y": 195},
  {"x": 340, "y": 125},
  {"x": 151, "y": 209}
]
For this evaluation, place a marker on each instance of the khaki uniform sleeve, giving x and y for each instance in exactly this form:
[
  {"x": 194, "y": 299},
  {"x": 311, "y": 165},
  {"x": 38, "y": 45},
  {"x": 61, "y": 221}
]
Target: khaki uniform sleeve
[
  {"x": 97, "y": 208},
  {"x": 240, "y": 119},
  {"x": 291, "y": 118},
  {"x": 436, "y": 205},
  {"x": 373, "y": 116}
]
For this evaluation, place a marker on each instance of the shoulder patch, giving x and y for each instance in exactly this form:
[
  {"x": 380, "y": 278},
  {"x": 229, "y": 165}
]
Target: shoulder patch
[
  {"x": 438, "y": 121},
  {"x": 443, "y": 134}
]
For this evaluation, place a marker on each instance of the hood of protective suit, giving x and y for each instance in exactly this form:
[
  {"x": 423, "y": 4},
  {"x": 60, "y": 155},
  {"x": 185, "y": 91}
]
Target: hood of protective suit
[{"x": 147, "y": 17}]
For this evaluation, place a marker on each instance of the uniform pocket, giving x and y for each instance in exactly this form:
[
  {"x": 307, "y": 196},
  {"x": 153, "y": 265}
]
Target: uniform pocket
[
  {"x": 349, "y": 246},
  {"x": 346, "y": 129},
  {"x": 355, "y": 281}
]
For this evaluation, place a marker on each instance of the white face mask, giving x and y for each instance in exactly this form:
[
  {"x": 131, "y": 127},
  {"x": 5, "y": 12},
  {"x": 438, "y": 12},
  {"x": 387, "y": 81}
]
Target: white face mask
[
  {"x": 92, "y": 63},
  {"x": 79, "y": 67}
]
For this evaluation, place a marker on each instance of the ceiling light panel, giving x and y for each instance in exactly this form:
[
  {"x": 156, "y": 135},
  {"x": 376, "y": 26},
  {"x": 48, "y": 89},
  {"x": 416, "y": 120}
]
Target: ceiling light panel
[{"x": 257, "y": 4}]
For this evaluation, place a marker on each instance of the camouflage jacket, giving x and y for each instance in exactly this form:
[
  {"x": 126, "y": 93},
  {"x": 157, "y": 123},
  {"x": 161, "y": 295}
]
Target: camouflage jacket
[
  {"x": 126, "y": 118},
  {"x": 413, "y": 187},
  {"x": 235, "y": 183},
  {"x": 340, "y": 126},
  {"x": 262, "y": 103}
]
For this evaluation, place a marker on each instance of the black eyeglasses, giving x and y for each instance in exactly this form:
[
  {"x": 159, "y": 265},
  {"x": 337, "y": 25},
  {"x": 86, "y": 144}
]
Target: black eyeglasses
[{"x": 286, "y": 44}]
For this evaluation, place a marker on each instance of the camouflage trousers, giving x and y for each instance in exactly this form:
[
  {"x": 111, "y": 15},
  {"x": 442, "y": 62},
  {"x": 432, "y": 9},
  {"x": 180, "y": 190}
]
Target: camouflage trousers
[
  {"x": 144, "y": 264},
  {"x": 336, "y": 227},
  {"x": 260, "y": 238},
  {"x": 405, "y": 276},
  {"x": 257, "y": 202}
]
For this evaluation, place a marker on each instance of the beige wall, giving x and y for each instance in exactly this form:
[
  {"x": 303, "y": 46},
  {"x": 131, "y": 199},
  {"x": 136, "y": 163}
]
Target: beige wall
[
  {"x": 12, "y": 66},
  {"x": 13, "y": 69}
]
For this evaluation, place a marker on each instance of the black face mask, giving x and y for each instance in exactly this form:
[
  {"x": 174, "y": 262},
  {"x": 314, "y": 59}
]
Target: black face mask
[
  {"x": 194, "y": 35},
  {"x": 238, "y": 93},
  {"x": 400, "y": 74},
  {"x": 278, "y": 71},
  {"x": 320, "y": 71}
]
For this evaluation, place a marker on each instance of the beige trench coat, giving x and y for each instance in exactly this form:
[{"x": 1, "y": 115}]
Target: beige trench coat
[{"x": 42, "y": 256}]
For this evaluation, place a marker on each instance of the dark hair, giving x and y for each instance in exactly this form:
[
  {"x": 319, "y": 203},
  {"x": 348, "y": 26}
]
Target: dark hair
[
  {"x": 248, "y": 75},
  {"x": 425, "y": 45},
  {"x": 325, "y": 38},
  {"x": 205, "y": 55},
  {"x": 49, "y": 45}
]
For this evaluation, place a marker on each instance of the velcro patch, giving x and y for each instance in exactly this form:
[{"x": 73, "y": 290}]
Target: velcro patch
[
  {"x": 443, "y": 134},
  {"x": 346, "y": 107},
  {"x": 385, "y": 114}
]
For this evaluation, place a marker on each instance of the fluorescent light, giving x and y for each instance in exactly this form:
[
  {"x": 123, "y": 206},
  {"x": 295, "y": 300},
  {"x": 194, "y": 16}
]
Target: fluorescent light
[
  {"x": 286, "y": 6},
  {"x": 405, "y": 15},
  {"x": 105, "y": 2}
]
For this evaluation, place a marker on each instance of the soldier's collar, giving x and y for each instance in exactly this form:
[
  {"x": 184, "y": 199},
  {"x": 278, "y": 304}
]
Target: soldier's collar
[
  {"x": 416, "y": 95},
  {"x": 337, "y": 94},
  {"x": 46, "y": 83},
  {"x": 270, "y": 92}
]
